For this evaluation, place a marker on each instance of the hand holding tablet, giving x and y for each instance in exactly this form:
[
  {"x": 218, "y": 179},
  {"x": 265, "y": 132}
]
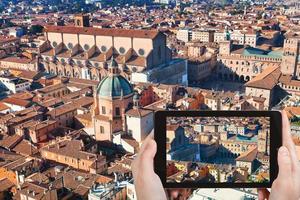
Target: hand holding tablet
[
  {"x": 215, "y": 149},
  {"x": 144, "y": 181},
  {"x": 287, "y": 184}
]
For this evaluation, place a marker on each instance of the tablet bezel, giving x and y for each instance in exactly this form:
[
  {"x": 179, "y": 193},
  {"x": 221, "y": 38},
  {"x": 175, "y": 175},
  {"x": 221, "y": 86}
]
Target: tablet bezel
[{"x": 160, "y": 138}]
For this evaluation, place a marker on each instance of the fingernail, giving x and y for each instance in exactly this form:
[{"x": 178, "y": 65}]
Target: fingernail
[{"x": 283, "y": 151}]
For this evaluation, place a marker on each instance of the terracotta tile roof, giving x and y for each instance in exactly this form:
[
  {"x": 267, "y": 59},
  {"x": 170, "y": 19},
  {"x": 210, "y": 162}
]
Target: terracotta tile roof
[
  {"x": 248, "y": 156},
  {"x": 71, "y": 148},
  {"x": 15, "y": 59},
  {"x": 23, "y": 95},
  {"x": 268, "y": 79},
  {"x": 87, "y": 116},
  {"x": 51, "y": 102},
  {"x": 103, "y": 179},
  {"x": 131, "y": 141},
  {"x": 37, "y": 125},
  {"x": 83, "y": 81},
  {"x": 138, "y": 112},
  {"x": 287, "y": 80},
  {"x": 5, "y": 185},
  {"x": 102, "y": 118},
  {"x": 292, "y": 111},
  {"x": 3, "y": 107},
  {"x": 73, "y": 179},
  {"x": 8, "y": 157},
  {"x": 25, "y": 148},
  {"x": 52, "y": 88},
  {"x": 151, "y": 34},
  {"x": 15, "y": 101},
  {"x": 137, "y": 61},
  {"x": 10, "y": 141},
  {"x": 29, "y": 75},
  {"x": 38, "y": 177},
  {"x": 70, "y": 107},
  {"x": 81, "y": 190},
  {"x": 39, "y": 190},
  {"x": 49, "y": 52},
  {"x": 259, "y": 99},
  {"x": 118, "y": 168}
]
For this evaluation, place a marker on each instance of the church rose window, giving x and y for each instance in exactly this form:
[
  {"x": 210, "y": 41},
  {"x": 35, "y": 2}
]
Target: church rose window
[
  {"x": 141, "y": 52},
  {"x": 86, "y": 47},
  {"x": 70, "y": 45},
  {"x": 103, "y": 48},
  {"x": 122, "y": 50},
  {"x": 54, "y": 44}
]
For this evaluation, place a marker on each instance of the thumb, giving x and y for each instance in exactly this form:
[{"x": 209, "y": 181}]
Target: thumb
[
  {"x": 147, "y": 157},
  {"x": 285, "y": 163}
]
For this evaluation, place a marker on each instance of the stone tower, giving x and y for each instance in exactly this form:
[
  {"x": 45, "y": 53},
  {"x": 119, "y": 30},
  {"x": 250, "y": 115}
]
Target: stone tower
[
  {"x": 290, "y": 56},
  {"x": 264, "y": 140},
  {"x": 225, "y": 48}
]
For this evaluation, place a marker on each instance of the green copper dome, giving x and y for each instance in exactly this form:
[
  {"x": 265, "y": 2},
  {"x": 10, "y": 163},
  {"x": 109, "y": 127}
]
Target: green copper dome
[{"x": 114, "y": 86}]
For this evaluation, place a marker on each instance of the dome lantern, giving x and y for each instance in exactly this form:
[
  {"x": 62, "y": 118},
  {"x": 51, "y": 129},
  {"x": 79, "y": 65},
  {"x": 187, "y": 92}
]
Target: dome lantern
[{"x": 113, "y": 67}]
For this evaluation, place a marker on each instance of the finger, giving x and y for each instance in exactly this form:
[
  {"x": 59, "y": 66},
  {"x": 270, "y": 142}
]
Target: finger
[
  {"x": 135, "y": 164},
  {"x": 149, "y": 137},
  {"x": 147, "y": 158},
  {"x": 174, "y": 193},
  {"x": 288, "y": 141},
  {"x": 263, "y": 194},
  {"x": 285, "y": 163}
]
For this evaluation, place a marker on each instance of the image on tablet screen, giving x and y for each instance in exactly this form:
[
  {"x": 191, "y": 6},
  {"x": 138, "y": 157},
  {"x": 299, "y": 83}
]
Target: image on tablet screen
[{"x": 218, "y": 149}]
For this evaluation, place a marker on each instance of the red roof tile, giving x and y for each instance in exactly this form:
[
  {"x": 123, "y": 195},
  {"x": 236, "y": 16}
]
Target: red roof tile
[{"x": 103, "y": 31}]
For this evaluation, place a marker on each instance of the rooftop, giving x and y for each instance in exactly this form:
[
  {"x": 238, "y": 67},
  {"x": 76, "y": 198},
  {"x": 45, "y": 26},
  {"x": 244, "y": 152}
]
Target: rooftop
[
  {"x": 267, "y": 79},
  {"x": 151, "y": 34}
]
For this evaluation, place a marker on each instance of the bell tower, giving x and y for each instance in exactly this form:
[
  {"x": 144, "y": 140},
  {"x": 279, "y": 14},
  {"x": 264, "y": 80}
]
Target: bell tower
[{"x": 290, "y": 56}]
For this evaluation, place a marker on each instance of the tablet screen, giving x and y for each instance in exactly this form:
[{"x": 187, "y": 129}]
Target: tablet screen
[{"x": 217, "y": 149}]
